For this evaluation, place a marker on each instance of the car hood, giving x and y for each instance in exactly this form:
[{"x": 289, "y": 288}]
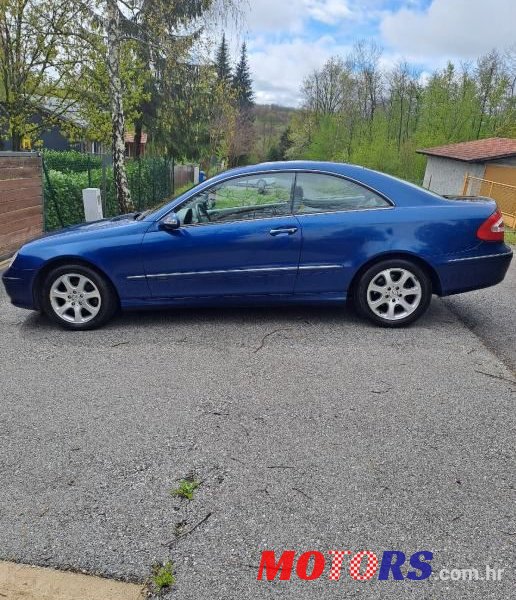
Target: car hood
[{"x": 81, "y": 228}]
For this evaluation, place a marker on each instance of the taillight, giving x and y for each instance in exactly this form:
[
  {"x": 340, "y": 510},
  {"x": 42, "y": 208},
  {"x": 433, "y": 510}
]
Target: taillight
[{"x": 492, "y": 230}]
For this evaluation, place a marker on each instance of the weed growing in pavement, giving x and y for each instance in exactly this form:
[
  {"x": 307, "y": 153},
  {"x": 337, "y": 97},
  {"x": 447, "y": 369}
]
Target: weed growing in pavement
[
  {"x": 163, "y": 576},
  {"x": 186, "y": 488}
]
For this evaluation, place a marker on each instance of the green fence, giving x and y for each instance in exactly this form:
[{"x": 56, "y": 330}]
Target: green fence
[{"x": 66, "y": 174}]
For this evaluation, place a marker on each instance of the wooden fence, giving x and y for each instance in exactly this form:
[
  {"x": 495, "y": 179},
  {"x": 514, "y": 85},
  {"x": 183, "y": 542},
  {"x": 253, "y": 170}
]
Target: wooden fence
[
  {"x": 505, "y": 195},
  {"x": 21, "y": 200},
  {"x": 183, "y": 175}
]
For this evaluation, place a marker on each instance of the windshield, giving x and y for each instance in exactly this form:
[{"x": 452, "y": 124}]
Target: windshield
[{"x": 158, "y": 207}]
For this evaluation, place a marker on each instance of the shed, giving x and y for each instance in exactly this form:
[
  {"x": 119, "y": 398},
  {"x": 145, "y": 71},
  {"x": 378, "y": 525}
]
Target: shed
[{"x": 480, "y": 167}]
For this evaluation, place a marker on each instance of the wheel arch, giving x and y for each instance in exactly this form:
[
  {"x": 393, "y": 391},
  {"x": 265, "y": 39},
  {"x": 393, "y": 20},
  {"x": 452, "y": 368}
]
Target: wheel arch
[
  {"x": 61, "y": 261},
  {"x": 423, "y": 264}
]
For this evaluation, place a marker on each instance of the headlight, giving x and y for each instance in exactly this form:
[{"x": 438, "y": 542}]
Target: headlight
[{"x": 12, "y": 260}]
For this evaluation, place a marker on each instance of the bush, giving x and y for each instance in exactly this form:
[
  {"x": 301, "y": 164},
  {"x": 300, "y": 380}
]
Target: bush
[
  {"x": 149, "y": 182},
  {"x": 71, "y": 161},
  {"x": 65, "y": 191}
]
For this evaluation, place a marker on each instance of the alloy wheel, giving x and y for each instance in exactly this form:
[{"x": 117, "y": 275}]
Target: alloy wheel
[
  {"x": 394, "y": 294},
  {"x": 75, "y": 298}
]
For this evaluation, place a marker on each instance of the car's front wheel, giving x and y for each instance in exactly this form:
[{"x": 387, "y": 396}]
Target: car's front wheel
[
  {"x": 393, "y": 293},
  {"x": 77, "y": 297}
]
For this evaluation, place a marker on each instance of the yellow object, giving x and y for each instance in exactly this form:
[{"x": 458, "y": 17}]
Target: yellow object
[{"x": 503, "y": 193}]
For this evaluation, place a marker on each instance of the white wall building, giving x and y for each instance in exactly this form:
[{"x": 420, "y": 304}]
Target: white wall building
[{"x": 492, "y": 159}]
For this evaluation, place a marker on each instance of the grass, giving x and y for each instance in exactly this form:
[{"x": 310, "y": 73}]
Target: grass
[
  {"x": 182, "y": 190},
  {"x": 163, "y": 576},
  {"x": 510, "y": 236},
  {"x": 186, "y": 488}
]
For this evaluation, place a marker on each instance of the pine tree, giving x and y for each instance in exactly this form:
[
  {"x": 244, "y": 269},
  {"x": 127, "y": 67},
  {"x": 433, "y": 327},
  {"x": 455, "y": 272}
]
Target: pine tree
[
  {"x": 285, "y": 143},
  {"x": 222, "y": 62},
  {"x": 243, "y": 83}
]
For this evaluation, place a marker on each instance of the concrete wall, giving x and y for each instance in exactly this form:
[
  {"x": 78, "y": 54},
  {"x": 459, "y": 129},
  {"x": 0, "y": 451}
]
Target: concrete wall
[
  {"x": 446, "y": 176},
  {"x": 21, "y": 200}
]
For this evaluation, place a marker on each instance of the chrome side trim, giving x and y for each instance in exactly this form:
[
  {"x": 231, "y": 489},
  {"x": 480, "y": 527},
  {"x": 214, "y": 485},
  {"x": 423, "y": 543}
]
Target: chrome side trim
[
  {"x": 233, "y": 271},
  {"x": 221, "y": 272},
  {"x": 454, "y": 260},
  {"x": 319, "y": 267},
  {"x": 341, "y": 212}
]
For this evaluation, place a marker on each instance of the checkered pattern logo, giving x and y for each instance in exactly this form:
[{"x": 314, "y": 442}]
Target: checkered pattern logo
[
  {"x": 336, "y": 565},
  {"x": 356, "y": 562}
]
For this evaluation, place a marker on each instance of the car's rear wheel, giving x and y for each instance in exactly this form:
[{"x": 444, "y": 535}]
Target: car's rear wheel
[
  {"x": 78, "y": 297},
  {"x": 393, "y": 293}
]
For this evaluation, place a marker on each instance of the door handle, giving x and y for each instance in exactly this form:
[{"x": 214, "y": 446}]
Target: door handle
[{"x": 283, "y": 231}]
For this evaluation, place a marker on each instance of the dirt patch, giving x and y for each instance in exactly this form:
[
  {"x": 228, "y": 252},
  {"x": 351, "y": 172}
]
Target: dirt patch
[{"x": 22, "y": 582}]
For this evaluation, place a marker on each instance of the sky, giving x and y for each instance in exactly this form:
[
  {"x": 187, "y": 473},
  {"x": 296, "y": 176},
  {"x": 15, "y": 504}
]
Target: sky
[{"x": 287, "y": 39}]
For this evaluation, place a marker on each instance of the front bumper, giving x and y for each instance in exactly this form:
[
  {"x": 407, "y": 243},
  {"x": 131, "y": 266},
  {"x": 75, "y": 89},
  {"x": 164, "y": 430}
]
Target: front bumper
[
  {"x": 18, "y": 285},
  {"x": 474, "y": 272}
]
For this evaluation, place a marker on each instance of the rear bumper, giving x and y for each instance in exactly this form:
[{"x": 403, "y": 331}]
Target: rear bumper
[
  {"x": 474, "y": 272},
  {"x": 18, "y": 285}
]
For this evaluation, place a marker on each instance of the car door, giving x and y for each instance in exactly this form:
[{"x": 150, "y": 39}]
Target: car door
[
  {"x": 342, "y": 222},
  {"x": 238, "y": 238}
]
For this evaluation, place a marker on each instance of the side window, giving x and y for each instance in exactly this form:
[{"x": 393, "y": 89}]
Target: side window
[
  {"x": 240, "y": 199},
  {"x": 317, "y": 193}
]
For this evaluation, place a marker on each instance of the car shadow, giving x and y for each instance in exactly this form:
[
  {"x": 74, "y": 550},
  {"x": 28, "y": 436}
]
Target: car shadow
[
  {"x": 213, "y": 315},
  {"x": 217, "y": 323}
]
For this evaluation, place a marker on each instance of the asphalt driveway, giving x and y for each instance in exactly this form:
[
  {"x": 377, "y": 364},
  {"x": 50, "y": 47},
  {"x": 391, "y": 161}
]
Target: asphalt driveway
[{"x": 309, "y": 429}]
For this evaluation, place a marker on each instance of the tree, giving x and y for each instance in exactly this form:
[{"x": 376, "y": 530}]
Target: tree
[
  {"x": 355, "y": 111},
  {"x": 403, "y": 90},
  {"x": 243, "y": 83},
  {"x": 285, "y": 143},
  {"x": 39, "y": 62},
  {"x": 365, "y": 61},
  {"x": 154, "y": 26},
  {"x": 114, "y": 37},
  {"x": 93, "y": 89},
  {"x": 323, "y": 90},
  {"x": 222, "y": 62},
  {"x": 492, "y": 85}
]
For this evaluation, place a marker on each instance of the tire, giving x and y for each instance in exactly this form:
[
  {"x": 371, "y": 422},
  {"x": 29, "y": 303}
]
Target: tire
[
  {"x": 393, "y": 293},
  {"x": 78, "y": 297}
]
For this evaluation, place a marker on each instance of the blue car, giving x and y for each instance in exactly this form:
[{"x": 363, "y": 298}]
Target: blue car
[{"x": 287, "y": 232}]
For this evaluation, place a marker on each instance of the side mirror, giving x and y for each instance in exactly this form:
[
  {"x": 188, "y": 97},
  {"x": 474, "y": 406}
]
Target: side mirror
[{"x": 171, "y": 222}]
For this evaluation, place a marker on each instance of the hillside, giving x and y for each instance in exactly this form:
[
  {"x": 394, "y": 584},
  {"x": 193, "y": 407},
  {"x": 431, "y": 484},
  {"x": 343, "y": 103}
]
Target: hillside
[{"x": 270, "y": 121}]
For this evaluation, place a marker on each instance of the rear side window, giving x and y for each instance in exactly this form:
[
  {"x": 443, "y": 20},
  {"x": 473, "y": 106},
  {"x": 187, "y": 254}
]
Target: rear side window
[{"x": 318, "y": 193}]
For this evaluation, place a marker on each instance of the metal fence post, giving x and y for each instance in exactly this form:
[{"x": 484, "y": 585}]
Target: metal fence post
[
  {"x": 173, "y": 176},
  {"x": 89, "y": 170},
  {"x": 104, "y": 185},
  {"x": 140, "y": 183},
  {"x": 153, "y": 178}
]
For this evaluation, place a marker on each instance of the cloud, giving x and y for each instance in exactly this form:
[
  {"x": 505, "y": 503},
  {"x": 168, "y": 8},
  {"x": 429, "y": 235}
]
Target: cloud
[
  {"x": 287, "y": 43},
  {"x": 329, "y": 12},
  {"x": 280, "y": 68},
  {"x": 290, "y": 38},
  {"x": 292, "y": 15},
  {"x": 275, "y": 15},
  {"x": 451, "y": 28}
]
